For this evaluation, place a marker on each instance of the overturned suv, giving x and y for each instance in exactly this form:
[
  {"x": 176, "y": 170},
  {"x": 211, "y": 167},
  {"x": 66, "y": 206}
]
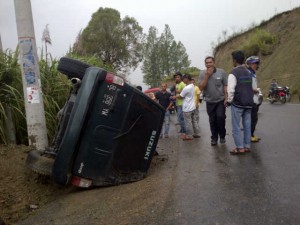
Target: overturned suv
[{"x": 108, "y": 131}]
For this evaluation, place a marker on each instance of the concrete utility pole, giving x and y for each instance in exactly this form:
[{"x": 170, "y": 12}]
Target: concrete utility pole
[{"x": 34, "y": 106}]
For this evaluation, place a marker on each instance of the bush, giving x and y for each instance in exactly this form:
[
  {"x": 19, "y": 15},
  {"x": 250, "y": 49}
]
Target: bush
[
  {"x": 262, "y": 42},
  {"x": 11, "y": 97},
  {"x": 55, "y": 88}
]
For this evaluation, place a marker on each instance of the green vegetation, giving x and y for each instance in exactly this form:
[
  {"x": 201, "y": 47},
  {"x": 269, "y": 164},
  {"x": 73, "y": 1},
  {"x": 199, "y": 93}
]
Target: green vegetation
[
  {"x": 193, "y": 71},
  {"x": 276, "y": 42},
  {"x": 116, "y": 41},
  {"x": 55, "y": 87},
  {"x": 163, "y": 56},
  {"x": 120, "y": 44},
  {"x": 11, "y": 96},
  {"x": 260, "y": 42}
]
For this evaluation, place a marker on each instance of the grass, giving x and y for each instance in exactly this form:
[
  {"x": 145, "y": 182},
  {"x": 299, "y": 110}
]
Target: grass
[{"x": 55, "y": 89}]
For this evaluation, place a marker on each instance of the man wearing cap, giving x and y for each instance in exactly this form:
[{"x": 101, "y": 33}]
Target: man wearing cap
[
  {"x": 240, "y": 97},
  {"x": 213, "y": 83},
  {"x": 188, "y": 108},
  {"x": 179, "y": 101},
  {"x": 252, "y": 64}
]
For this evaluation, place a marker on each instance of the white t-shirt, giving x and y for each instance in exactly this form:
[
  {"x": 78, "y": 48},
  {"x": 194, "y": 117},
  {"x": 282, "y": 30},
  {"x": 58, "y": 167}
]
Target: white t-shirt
[
  {"x": 254, "y": 86},
  {"x": 188, "y": 93}
]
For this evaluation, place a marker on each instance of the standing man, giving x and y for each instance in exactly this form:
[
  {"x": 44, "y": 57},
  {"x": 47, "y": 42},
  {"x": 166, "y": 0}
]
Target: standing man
[
  {"x": 252, "y": 64},
  {"x": 188, "y": 107},
  {"x": 213, "y": 84},
  {"x": 197, "y": 100},
  {"x": 240, "y": 97},
  {"x": 164, "y": 98},
  {"x": 179, "y": 101}
]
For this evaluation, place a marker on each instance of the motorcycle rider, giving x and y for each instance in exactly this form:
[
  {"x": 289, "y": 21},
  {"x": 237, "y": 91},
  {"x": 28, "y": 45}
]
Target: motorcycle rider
[
  {"x": 252, "y": 64},
  {"x": 272, "y": 88}
]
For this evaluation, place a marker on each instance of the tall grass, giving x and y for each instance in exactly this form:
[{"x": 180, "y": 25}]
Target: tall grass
[
  {"x": 261, "y": 42},
  {"x": 11, "y": 96},
  {"x": 55, "y": 88}
]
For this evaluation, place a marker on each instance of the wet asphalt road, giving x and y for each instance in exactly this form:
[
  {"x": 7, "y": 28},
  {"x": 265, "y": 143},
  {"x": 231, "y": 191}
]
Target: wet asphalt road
[
  {"x": 262, "y": 187},
  {"x": 194, "y": 183}
]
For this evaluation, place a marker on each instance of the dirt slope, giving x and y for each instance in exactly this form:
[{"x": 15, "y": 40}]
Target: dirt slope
[
  {"x": 283, "y": 63},
  {"x": 21, "y": 191}
]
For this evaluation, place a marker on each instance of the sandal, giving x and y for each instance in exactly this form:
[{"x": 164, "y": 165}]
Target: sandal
[
  {"x": 237, "y": 151},
  {"x": 247, "y": 150}
]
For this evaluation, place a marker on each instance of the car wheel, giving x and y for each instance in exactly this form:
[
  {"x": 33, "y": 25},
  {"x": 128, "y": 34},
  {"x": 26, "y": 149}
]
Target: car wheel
[{"x": 72, "y": 67}]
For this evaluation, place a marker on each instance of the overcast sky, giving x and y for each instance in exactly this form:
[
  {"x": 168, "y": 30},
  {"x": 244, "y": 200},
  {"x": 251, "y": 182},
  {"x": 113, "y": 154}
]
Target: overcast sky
[{"x": 196, "y": 23}]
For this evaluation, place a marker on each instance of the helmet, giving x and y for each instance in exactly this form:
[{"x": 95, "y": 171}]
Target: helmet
[{"x": 252, "y": 60}]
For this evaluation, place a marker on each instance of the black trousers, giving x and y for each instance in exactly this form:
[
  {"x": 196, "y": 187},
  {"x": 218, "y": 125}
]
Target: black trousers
[
  {"x": 217, "y": 117},
  {"x": 254, "y": 118}
]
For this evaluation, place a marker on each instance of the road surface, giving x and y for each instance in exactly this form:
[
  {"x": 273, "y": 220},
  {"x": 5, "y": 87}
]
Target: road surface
[
  {"x": 192, "y": 182},
  {"x": 262, "y": 187}
]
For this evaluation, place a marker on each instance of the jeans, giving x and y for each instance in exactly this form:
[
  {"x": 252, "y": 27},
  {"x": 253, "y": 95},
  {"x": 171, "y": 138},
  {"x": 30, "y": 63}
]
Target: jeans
[
  {"x": 217, "y": 119},
  {"x": 181, "y": 119},
  {"x": 254, "y": 118},
  {"x": 197, "y": 115},
  {"x": 192, "y": 126},
  {"x": 166, "y": 124},
  {"x": 236, "y": 115}
]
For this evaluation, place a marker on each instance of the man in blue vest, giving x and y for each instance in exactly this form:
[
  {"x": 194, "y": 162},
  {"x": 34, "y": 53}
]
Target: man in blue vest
[{"x": 240, "y": 97}]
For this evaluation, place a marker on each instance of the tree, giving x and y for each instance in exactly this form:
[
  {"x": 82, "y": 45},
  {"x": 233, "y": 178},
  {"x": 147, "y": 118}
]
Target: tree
[
  {"x": 117, "y": 42},
  {"x": 182, "y": 59},
  {"x": 151, "y": 65},
  {"x": 162, "y": 56},
  {"x": 166, "y": 41}
]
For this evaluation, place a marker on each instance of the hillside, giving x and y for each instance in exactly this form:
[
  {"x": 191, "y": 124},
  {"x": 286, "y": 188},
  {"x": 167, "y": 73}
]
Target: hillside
[{"x": 282, "y": 63}]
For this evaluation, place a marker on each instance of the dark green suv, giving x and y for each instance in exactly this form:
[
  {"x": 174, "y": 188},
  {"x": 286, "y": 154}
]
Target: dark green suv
[{"x": 108, "y": 131}]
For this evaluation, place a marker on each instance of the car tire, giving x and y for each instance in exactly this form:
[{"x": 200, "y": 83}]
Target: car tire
[{"x": 72, "y": 67}]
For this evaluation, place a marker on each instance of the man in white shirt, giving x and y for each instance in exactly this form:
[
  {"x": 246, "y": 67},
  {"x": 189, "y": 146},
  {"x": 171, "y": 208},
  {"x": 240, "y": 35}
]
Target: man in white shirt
[
  {"x": 188, "y": 108},
  {"x": 240, "y": 97}
]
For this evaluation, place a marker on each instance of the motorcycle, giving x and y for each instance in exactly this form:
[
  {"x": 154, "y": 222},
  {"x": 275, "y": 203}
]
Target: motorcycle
[
  {"x": 288, "y": 94},
  {"x": 278, "y": 94}
]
